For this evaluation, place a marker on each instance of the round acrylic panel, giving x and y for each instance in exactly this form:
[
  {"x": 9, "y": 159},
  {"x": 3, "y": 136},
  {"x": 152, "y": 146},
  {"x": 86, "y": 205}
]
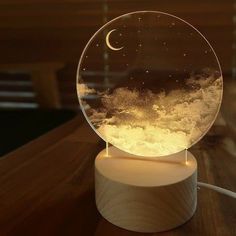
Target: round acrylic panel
[{"x": 149, "y": 83}]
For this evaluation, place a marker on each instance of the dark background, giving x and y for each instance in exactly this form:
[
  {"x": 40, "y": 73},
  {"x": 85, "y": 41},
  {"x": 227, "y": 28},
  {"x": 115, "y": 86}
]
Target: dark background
[{"x": 41, "y": 42}]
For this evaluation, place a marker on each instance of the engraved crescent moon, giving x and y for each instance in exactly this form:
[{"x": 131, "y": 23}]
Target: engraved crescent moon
[{"x": 108, "y": 41}]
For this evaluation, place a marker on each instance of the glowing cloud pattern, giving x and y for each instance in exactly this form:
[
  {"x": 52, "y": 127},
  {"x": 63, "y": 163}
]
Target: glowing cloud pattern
[{"x": 161, "y": 123}]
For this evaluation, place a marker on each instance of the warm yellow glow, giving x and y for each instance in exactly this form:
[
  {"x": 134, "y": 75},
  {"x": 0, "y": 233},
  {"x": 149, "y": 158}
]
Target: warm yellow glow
[
  {"x": 108, "y": 41},
  {"x": 149, "y": 141},
  {"x": 167, "y": 124}
]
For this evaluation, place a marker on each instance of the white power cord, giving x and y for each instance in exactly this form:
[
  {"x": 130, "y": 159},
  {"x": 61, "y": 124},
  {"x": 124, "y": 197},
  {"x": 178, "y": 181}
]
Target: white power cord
[{"x": 218, "y": 189}]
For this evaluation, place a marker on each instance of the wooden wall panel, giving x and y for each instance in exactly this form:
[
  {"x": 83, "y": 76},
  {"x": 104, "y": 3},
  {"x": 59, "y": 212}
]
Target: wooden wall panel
[{"x": 41, "y": 31}]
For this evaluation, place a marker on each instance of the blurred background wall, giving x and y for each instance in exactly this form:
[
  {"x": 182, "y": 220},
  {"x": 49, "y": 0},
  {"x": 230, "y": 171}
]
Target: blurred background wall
[{"x": 41, "y": 42}]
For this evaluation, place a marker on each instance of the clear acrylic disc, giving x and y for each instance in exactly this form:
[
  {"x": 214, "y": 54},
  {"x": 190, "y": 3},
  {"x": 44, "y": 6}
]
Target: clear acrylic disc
[{"x": 149, "y": 83}]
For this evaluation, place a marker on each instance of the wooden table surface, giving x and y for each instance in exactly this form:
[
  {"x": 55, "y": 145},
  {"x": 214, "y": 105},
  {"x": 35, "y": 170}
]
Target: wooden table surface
[{"x": 47, "y": 187}]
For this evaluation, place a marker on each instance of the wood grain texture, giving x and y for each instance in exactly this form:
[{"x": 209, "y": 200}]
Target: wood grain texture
[
  {"x": 145, "y": 206},
  {"x": 47, "y": 188}
]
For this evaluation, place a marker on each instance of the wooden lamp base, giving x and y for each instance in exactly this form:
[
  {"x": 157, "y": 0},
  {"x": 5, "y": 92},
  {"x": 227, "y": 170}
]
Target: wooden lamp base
[{"x": 143, "y": 195}]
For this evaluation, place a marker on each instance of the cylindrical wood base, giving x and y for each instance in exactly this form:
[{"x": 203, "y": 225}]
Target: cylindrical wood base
[{"x": 143, "y": 195}]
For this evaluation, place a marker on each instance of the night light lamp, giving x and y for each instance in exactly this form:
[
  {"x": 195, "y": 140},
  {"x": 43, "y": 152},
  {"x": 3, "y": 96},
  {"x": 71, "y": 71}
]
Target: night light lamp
[{"x": 149, "y": 84}]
